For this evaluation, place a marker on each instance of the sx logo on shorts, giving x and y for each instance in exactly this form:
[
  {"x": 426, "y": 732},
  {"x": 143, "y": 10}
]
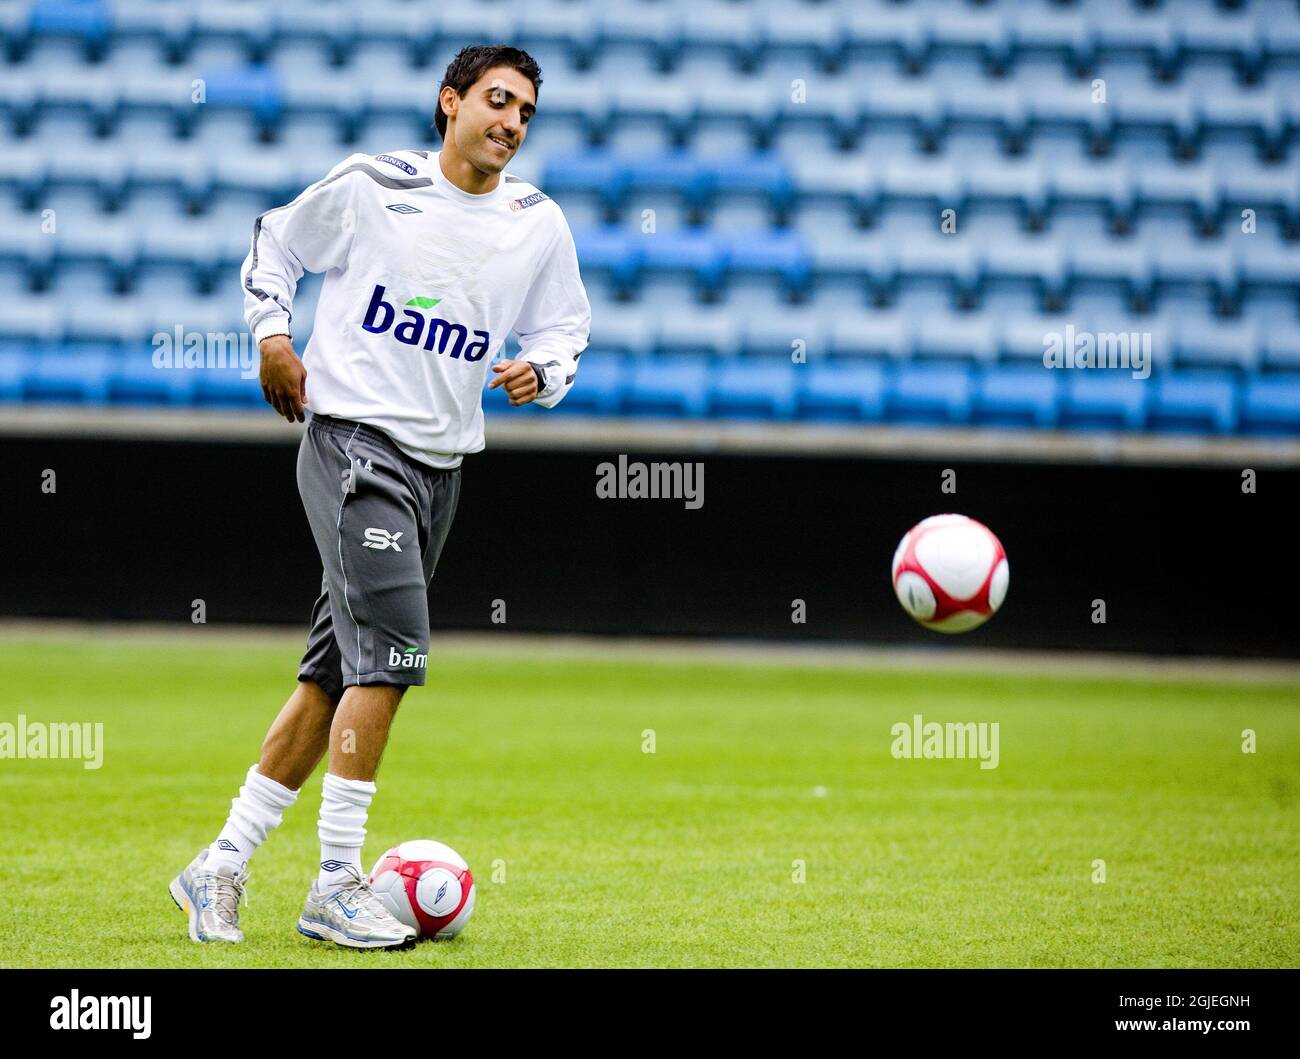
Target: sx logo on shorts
[{"x": 381, "y": 540}]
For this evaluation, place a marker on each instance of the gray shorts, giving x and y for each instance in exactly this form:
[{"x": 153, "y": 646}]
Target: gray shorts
[{"x": 379, "y": 519}]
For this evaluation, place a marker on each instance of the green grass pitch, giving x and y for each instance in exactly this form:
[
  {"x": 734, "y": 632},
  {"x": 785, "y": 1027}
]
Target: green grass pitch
[{"x": 589, "y": 851}]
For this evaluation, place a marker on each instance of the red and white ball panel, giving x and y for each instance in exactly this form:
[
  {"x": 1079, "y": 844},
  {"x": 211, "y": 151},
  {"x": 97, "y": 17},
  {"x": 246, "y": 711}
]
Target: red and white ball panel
[
  {"x": 426, "y": 885},
  {"x": 950, "y": 573}
]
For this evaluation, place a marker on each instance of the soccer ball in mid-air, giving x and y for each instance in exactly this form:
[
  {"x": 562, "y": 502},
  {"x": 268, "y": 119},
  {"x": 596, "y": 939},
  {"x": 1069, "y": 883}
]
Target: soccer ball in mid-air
[
  {"x": 426, "y": 885},
  {"x": 950, "y": 573}
]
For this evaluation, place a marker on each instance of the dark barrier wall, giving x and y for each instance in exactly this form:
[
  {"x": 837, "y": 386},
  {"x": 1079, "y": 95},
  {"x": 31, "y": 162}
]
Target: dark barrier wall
[{"x": 1185, "y": 561}]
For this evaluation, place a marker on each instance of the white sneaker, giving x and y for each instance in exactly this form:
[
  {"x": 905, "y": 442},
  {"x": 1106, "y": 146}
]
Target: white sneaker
[
  {"x": 352, "y": 914},
  {"x": 210, "y": 899}
]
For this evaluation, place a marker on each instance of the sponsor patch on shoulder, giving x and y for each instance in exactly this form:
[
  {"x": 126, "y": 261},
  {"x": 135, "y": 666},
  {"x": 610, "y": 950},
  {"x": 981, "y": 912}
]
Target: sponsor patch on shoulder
[
  {"x": 528, "y": 200},
  {"x": 406, "y": 167}
]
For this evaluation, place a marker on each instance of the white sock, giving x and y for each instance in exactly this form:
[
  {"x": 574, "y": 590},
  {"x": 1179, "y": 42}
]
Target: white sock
[
  {"x": 342, "y": 827},
  {"x": 253, "y": 815}
]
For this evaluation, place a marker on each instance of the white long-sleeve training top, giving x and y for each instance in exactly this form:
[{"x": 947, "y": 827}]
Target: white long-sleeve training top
[{"x": 423, "y": 282}]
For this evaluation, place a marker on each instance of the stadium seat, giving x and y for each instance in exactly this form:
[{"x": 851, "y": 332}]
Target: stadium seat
[
  {"x": 86, "y": 21},
  {"x": 134, "y": 379},
  {"x": 602, "y": 374},
  {"x": 696, "y": 330},
  {"x": 225, "y": 387},
  {"x": 780, "y": 253},
  {"x": 688, "y": 252},
  {"x": 597, "y": 173},
  {"x": 758, "y": 389},
  {"x": 1210, "y": 343},
  {"x": 931, "y": 393},
  {"x": 76, "y": 373},
  {"x": 1013, "y": 396},
  {"x": 1201, "y": 402},
  {"x": 1104, "y": 398},
  {"x": 668, "y": 386},
  {"x": 1271, "y": 405},
  {"x": 13, "y": 373},
  {"x": 252, "y": 88},
  {"x": 841, "y": 390}
]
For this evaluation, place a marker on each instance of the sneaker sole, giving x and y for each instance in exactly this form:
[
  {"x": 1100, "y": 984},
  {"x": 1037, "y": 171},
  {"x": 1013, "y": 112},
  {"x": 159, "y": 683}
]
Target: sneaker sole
[{"x": 319, "y": 931}]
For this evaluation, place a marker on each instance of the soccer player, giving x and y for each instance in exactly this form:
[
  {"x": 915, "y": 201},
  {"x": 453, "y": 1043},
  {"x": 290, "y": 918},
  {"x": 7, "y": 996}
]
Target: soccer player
[{"x": 429, "y": 259}]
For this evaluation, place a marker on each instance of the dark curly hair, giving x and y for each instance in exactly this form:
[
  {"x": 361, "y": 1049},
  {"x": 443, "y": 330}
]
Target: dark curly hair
[{"x": 472, "y": 62}]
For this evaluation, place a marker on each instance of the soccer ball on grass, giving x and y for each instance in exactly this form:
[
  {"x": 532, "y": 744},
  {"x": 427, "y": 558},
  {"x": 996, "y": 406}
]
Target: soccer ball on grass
[{"x": 426, "y": 885}]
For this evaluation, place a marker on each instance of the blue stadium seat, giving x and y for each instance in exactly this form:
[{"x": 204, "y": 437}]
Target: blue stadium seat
[
  {"x": 1204, "y": 32},
  {"x": 836, "y": 105},
  {"x": 1125, "y": 266},
  {"x": 1071, "y": 107},
  {"x": 901, "y": 33},
  {"x": 1014, "y": 396},
  {"x": 1282, "y": 349},
  {"x": 686, "y": 251},
  {"x": 225, "y": 387},
  {"x": 1110, "y": 187},
  {"x": 889, "y": 334},
  {"x": 231, "y": 22},
  {"x": 931, "y": 393},
  {"x": 842, "y": 390},
  {"x": 956, "y": 262},
  {"x": 815, "y": 31},
  {"x": 40, "y": 319},
  {"x": 757, "y": 389},
  {"x": 602, "y": 377},
  {"x": 668, "y": 103},
  {"x": 76, "y": 373},
  {"x": 171, "y": 26},
  {"x": 596, "y": 173},
  {"x": 1058, "y": 33},
  {"x": 113, "y": 320},
  {"x": 13, "y": 373},
  {"x": 252, "y": 88},
  {"x": 1271, "y": 405},
  {"x": 1104, "y": 398},
  {"x": 668, "y": 386},
  {"x": 1201, "y": 402},
  {"x": 696, "y": 330},
  {"x": 86, "y": 21},
  {"x": 1026, "y": 185},
  {"x": 679, "y": 172},
  {"x": 611, "y": 250},
  {"x": 1211, "y": 343},
  {"x": 956, "y": 338},
  {"x": 782, "y": 253},
  {"x": 775, "y": 329},
  {"x": 1171, "y": 112},
  {"x": 1126, "y": 34},
  {"x": 763, "y": 173},
  {"x": 134, "y": 379},
  {"x": 1211, "y": 265},
  {"x": 751, "y": 104}
]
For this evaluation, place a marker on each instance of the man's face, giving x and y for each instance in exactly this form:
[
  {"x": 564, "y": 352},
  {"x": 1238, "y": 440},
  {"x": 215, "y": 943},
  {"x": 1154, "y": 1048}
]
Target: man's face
[{"x": 492, "y": 120}]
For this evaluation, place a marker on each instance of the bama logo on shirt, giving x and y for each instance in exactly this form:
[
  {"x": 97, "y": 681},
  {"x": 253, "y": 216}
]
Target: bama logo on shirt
[{"x": 417, "y": 329}]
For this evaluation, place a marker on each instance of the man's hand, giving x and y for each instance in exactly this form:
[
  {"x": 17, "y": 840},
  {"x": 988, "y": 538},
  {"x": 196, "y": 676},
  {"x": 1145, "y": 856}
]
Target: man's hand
[
  {"x": 284, "y": 379},
  {"x": 519, "y": 379}
]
